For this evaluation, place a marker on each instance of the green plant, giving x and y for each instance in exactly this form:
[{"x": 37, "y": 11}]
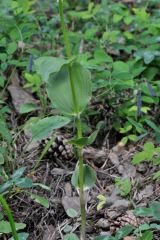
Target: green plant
[
  {"x": 14, "y": 185},
  {"x": 145, "y": 231},
  {"x": 150, "y": 153},
  {"x": 34, "y": 82},
  {"x": 101, "y": 202},
  {"x": 69, "y": 89},
  {"x": 118, "y": 41},
  {"x": 17, "y": 183},
  {"x": 10, "y": 217},
  {"x": 132, "y": 79},
  {"x": 5, "y": 137},
  {"x": 123, "y": 232},
  {"x": 70, "y": 94},
  {"x": 124, "y": 186},
  {"x": 41, "y": 128},
  {"x": 11, "y": 226}
]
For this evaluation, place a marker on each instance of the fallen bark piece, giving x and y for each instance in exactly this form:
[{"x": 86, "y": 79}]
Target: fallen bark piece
[{"x": 20, "y": 97}]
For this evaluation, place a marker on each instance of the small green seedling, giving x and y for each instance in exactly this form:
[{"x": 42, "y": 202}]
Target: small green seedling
[
  {"x": 34, "y": 82},
  {"x": 149, "y": 154},
  {"x": 145, "y": 231},
  {"x": 123, "y": 186},
  {"x": 17, "y": 183},
  {"x": 101, "y": 202},
  {"x": 121, "y": 234}
]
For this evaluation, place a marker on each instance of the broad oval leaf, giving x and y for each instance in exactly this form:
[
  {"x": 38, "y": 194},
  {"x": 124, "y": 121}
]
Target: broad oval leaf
[
  {"x": 155, "y": 206},
  {"x": 121, "y": 70},
  {"x": 148, "y": 56},
  {"x": 89, "y": 177},
  {"x": 47, "y": 65},
  {"x": 11, "y": 48},
  {"x": 44, "y": 126},
  {"x": 149, "y": 146},
  {"x": 67, "y": 228},
  {"x": 28, "y": 107},
  {"x": 24, "y": 182},
  {"x": 5, "y": 226},
  {"x": 72, "y": 213},
  {"x": 18, "y": 173},
  {"x": 142, "y": 227},
  {"x": 71, "y": 236},
  {"x": 148, "y": 235},
  {"x": 59, "y": 89},
  {"x": 124, "y": 231},
  {"x": 148, "y": 99},
  {"x": 21, "y": 236},
  {"x": 143, "y": 212},
  {"x": 139, "y": 157},
  {"x": 155, "y": 226}
]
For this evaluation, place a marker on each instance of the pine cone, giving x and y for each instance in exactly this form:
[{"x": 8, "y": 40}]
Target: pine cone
[
  {"x": 128, "y": 218},
  {"x": 59, "y": 149}
]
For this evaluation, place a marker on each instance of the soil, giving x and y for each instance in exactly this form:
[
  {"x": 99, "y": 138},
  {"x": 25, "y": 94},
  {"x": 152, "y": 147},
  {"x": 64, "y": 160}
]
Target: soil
[{"x": 109, "y": 160}]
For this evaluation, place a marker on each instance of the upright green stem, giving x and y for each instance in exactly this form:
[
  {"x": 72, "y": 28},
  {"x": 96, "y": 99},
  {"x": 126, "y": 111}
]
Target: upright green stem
[
  {"x": 78, "y": 121},
  {"x": 81, "y": 182},
  {"x": 10, "y": 217},
  {"x": 68, "y": 52},
  {"x": 64, "y": 29}
]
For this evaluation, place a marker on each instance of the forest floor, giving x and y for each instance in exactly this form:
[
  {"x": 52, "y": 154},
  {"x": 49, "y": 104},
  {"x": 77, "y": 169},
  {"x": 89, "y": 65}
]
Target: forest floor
[{"x": 118, "y": 41}]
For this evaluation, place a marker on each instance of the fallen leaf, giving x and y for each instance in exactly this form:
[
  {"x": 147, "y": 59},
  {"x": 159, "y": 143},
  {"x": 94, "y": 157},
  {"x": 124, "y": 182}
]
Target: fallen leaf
[
  {"x": 146, "y": 192},
  {"x": 71, "y": 203},
  {"x": 129, "y": 238},
  {"x": 114, "y": 158},
  {"x": 20, "y": 96}
]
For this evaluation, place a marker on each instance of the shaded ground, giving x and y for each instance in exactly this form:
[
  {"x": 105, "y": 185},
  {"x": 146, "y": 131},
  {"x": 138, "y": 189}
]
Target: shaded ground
[{"x": 108, "y": 162}]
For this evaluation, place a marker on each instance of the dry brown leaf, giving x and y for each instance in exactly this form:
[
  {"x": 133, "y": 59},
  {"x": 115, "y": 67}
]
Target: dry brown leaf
[
  {"x": 129, "y": 238},
  {"x": 146, "y": 192},
  {"x": 20, "y": 96}
]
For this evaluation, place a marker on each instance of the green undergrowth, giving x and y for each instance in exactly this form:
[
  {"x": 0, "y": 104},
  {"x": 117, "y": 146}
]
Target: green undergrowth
[{"x": 105, "y": 55}]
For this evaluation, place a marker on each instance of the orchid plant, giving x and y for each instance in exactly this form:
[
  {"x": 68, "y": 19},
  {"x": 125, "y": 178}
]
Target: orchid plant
[{"x": 68, "y": 85}]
